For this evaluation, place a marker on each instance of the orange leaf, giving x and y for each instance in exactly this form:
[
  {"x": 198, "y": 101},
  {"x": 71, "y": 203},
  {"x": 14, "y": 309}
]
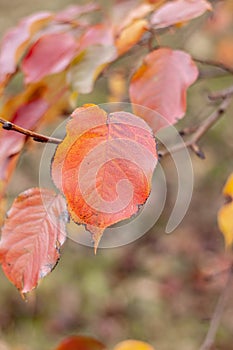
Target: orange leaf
[
  {"x": 133, "y": 345},
  {"x": 50, "y": 54},
  {"x": 80, "y": 343},
  {"x": 32, "y": 235},
  {"x": 225, "y": 214},
  {"x": 104, "y": 167},
  {"x": 160, "y": 84},
  {"x": 224, "y": 50},
  {"x": 130, "y": 36},
  {"x": 178, "y": 11},
  {"x": 15, "y": 41}
]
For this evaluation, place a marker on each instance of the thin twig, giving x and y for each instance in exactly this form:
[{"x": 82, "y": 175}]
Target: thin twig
[
  {"x": 228, "y": 92},
  {"x": 199, "y": 132},
  {"x": 214, "y": 64},
  {"x": 211, "y": 277},
  {"x": 36, "y": 137},
  {"x": 218, "y": 312}
]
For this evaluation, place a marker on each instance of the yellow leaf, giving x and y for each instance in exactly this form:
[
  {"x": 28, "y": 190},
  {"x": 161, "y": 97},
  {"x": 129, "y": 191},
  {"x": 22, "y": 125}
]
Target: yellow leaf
[
  {"x": 225, "y": 214},
  {"x": 228, "y": 188},
  {"x": 225, "y": 223},
  {"x": 117, "y": 87},
  {"x": 133, "y": 345}
]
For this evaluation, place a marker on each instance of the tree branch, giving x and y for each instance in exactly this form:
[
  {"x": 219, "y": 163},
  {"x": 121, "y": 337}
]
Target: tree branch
[
  {"x": 36, "y": 137},
  {"x": 218, "y": 312},
  {"x": 228, "y": 92},
  {"x": 214, "y": 64},
  {"x": 198, "y": 132}
]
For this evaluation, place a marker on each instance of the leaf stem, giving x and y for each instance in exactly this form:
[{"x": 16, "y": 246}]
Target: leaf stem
[
  {"x": 36, "y": 137},
  {"x": 218, "y": 312}
]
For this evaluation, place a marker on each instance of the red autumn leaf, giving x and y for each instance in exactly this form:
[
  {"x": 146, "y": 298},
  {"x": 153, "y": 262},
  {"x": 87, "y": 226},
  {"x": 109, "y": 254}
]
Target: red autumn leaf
[
  {"x": 74, "y": 11},
  {"x": 160, "y": 84},
  {"x": 32, "y": 235},
  {"x": 80, "y": 343},
  {"x": 178, "y": 11},
  {"x": 15, "y": 40},
  {"x": 50, "y": 54},
  {"x": 104, "y": 167}
]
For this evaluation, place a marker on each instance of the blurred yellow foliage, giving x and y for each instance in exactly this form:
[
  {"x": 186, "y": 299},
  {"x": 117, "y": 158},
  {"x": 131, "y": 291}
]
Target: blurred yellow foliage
[
  {"x": 133, "y": 345},
  {"x": 225, "y": 215}
]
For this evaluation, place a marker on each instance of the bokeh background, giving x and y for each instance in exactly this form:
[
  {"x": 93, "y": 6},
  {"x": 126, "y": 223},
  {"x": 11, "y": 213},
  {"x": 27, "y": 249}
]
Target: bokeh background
[{"x": 161, "y": 288}]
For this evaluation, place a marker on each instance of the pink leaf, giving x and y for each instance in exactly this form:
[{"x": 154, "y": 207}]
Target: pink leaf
[
  {"x": 32, "y": 236},
  {"x": 178, "y": 11},
  {"x": 50, "y": 54},
  {"x": 160, "y": 84},
  {"x": 14, "y": 41}
]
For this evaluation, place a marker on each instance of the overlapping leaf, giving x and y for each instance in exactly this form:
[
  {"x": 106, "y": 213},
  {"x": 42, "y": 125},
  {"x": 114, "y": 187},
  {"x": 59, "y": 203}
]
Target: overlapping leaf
[
  {"x": 130, "y": 22},
  {"x": 11, "y": 143},
  {"x": 225, "y": 215},
  {"x": 136, "y": 12},
  {"x": 38, "y": 102},
  {"x": 32, "y": 235},
  {"x": 15, "y": 41},
  {"x": 125, "y": 13},
  {"x": 160, "y": 84},
  {"x": 80, "y": 343},
  {"x": 104, "y": 167},
  {"x": 178, "y": 11},
  {"x": 86, "y": 343},
  {"x": 96, "y": 50},
  {"x": 26, "y": 115},
  {"x": 130, "y": 35}
]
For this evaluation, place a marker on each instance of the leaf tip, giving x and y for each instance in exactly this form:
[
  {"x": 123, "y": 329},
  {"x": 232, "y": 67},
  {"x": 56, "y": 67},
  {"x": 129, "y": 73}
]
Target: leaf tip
[{"x": 97, "y": 233}]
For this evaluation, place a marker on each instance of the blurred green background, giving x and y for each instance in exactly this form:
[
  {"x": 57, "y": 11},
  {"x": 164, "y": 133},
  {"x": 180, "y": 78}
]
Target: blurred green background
[{"x": 155, "y": 289}]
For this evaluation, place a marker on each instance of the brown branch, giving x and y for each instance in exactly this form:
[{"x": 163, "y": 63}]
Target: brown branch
[
  {"x": 214, "y": 64},
  {"x": 199, "y": 132},
  {"x": 217, "y": 315},
  {"x": 36, "y": 137},
  {"x": 228, "y": 92}
]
